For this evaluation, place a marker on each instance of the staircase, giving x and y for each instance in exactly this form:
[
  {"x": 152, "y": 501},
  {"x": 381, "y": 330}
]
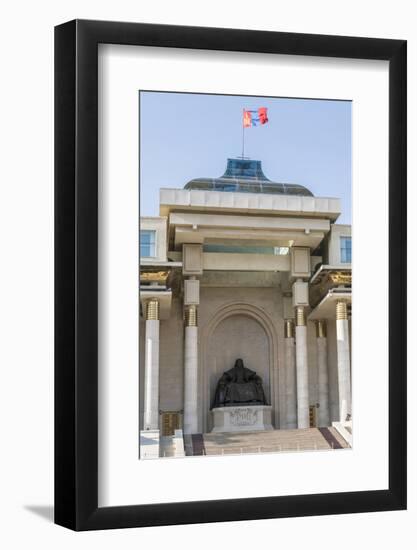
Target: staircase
[{"x": 272, "y": 441}]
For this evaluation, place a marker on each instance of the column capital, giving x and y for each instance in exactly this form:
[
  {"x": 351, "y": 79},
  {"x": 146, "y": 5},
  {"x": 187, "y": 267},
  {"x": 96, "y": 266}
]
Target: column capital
[
  {"x": 341, "y": 311},
  {"x": 191, "y": 317},
  {"x": 152, "y": 310},
  {"x": 300, "y": 316},
  {"x": 289, "y": 328},
  {"x": 321, "y": 328}
]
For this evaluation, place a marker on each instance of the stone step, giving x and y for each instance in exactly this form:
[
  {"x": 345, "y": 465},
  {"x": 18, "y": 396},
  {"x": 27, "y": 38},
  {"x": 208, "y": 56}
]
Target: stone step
[{"x": 267, "y": 441}]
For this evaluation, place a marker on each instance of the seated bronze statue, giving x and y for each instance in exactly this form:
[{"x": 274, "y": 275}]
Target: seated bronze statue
[{"x": 239, "y": 386}]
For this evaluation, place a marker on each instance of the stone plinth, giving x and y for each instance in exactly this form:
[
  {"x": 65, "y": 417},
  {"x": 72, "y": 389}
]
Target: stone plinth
[{"x": 242, "y": 418}]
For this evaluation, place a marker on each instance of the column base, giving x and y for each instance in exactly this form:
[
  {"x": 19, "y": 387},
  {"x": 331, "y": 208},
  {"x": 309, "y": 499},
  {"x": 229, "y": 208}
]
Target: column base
[
  {"x": 149, "y": 444},
  {"x": 172, "y": 446}
]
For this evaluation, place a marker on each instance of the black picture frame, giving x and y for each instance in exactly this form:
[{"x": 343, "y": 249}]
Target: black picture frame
[{"x": 76, "y": 271}]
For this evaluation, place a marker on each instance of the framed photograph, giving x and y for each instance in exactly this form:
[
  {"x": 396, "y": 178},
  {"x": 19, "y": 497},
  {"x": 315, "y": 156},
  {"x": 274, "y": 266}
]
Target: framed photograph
[{"x": 230, "y": 337}]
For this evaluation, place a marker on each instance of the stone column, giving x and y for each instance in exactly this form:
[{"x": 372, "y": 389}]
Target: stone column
[
  {"x": 343, "y": 361},
  {"x": 151, "y": 402},
  {"x": 290, "y": 377},
  {"x": 303, "y": 413},
  {"x": 323, "y": 378},
  {"x": 190, "y": 422}
]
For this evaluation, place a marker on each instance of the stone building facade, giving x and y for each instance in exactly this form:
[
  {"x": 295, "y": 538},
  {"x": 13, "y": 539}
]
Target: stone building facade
[{"x": 240, "y": 266}]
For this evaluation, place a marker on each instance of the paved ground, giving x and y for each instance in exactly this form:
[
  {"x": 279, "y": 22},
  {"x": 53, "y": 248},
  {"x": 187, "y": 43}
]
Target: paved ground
[{"x": 266, "y": 442}]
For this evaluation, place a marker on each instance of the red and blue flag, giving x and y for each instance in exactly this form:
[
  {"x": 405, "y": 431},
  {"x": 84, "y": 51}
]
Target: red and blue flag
[{"x": 253, "y": 118}]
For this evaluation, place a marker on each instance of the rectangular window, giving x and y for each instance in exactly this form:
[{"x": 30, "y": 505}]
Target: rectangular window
[
  {"x": 281, "y": 250},
  {"x": 147, "y": 244},
  {"x": 346, "y": 250}
]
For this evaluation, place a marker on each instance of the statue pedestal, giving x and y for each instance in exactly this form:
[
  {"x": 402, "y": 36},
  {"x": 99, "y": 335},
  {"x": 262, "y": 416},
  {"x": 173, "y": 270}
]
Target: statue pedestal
[{"x": 244, "y": 418}]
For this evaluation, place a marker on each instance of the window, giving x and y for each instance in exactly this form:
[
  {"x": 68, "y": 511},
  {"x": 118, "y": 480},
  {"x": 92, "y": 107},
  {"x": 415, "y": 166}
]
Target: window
[
  {"x": 229, "y": 187},
  {"x": 346, "y": 250},
  {"x": 281, "y": 250},
  {"x": 147, "y": 244},
  {"x": 246, "y": 249}
]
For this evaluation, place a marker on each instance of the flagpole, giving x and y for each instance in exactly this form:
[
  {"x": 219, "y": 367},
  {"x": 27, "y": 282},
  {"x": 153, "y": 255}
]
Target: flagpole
[{"x": 243, "y": 132}]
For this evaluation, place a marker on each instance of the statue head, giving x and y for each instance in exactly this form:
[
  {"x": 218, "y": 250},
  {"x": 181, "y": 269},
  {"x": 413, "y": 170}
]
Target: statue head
[{"x": 239, "y": 363}]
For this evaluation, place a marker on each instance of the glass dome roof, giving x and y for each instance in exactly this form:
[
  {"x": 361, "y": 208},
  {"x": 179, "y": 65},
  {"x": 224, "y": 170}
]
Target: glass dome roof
[{"x": 246, "y": 176}]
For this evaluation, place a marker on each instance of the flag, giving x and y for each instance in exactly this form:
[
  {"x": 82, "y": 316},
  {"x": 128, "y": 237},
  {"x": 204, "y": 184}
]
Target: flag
[
  {"x": 247, "y": 119},
  {"x": 253, "y": 118}
]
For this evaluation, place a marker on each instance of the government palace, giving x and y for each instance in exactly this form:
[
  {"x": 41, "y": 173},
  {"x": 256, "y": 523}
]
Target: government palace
[{"x": 245, "y": 312}]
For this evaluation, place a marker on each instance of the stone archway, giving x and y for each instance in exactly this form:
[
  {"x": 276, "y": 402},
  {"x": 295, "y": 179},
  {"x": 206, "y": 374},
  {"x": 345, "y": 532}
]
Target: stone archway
[{"x": 237, "y": 330}]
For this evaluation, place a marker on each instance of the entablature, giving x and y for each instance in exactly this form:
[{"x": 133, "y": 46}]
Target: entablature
[
  {"x": 277, "y": 231},
  {"x": 175, "y": 200}
]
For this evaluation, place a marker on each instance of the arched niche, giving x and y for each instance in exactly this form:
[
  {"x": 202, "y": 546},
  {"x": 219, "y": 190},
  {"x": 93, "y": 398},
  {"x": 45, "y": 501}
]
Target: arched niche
[{"x": 237, "y": 330}]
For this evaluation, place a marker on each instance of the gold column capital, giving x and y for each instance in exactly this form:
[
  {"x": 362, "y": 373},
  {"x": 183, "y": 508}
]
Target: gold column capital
[
  {"x": 341, "y": 311},
  {"x": 289, "y": 328},
  {"x": 321, "y": 328},
  {"x": 300, "y": 316},
  {"x": 191, "y": 317},
  {"x": 152, "y": 310}
]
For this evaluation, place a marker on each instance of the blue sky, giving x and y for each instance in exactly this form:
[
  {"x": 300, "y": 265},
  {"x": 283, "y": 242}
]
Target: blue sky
[{"x": 186, "y": 136}]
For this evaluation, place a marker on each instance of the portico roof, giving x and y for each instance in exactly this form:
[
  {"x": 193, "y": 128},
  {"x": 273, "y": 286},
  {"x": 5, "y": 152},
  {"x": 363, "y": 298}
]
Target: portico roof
[
  {"x": 181, "y": 200},
  {"x": 326, "y": 309},
  {"x": 241, "y": 230},
  {"x": 329, "y": 285}
]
